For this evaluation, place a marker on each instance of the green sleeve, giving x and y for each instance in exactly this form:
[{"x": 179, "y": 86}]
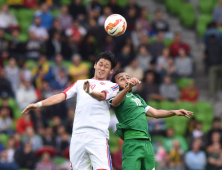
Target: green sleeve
[{"x": 142, "y": 101}]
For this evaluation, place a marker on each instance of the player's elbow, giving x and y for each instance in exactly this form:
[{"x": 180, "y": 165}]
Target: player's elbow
[{"x": 114, "y": 104}]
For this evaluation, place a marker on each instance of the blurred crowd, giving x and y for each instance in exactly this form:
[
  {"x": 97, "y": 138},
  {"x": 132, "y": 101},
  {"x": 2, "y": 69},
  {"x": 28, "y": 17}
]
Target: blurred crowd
[{"x": 62, "y": 49}]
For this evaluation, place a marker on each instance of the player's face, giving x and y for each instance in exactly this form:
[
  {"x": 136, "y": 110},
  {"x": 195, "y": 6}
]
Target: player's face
[
  {"x": 102, "y": 69},
  {"x": 122, "y": 80}
]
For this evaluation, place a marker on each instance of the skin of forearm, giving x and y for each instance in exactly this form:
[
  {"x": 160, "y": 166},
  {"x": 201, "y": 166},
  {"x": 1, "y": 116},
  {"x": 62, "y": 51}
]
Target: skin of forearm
[
  {"x": 164, "y": 113},
  {"x": 120, "y": 96},
  {"x": 55, "y": 99},
  {"x": 98, "y": 95}
]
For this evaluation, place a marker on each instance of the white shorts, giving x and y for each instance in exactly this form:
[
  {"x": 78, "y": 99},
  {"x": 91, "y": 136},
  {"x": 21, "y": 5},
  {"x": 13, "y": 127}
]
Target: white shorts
[{"x": 89, "y": 151}]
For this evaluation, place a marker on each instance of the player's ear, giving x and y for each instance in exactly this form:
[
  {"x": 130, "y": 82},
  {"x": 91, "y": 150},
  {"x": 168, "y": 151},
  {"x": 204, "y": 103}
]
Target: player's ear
[
  {"x": 111, "y": 71},
  {"x": 95, "y": 66}
]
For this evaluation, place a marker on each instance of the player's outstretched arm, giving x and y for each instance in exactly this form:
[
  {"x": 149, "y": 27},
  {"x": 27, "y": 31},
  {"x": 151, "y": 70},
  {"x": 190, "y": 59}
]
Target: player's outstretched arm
[
  {"x": 120, "y": 96},
  {"x": 168, "y": 113},
  {"x": 55, "y": 99}
]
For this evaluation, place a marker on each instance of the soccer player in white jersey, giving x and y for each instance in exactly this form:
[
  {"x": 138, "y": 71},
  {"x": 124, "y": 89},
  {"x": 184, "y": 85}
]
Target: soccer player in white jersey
[{"x": 90, "y": 134}]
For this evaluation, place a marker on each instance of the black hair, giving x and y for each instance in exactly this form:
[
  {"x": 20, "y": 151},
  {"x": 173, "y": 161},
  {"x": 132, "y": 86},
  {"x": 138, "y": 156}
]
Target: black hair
[
  {"x": 216, "y": 119},
  {"x": 114, "y": 75},
  {"x": 108, "y": 56}
]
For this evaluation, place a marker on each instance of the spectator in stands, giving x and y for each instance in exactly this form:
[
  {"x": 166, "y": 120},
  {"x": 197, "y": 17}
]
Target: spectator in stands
[
  {"x": 217, "y": 14},
  {"x": 212, "y": 30},
  {"x": 39, "y": 31},
  {"x": 34, "y": 139},
  {"x": 117, "y": 156},
  {"x": 15, "y": 46},
  {"x": 48, "y": 138},
  {"x": 195, "y": 159},
  {"x": 5, "y": 102},
  {"x": 5, "y": 121},
  {"x": 159, "y": 24},
  {"x": 198, "y": 132},
  {"x": 3, "y": 55},
  {"x": 162, "y": 62},
  {"x": 214, "y": 156},
  {"x": 216, "y": 139},
  {"x": 78, "y": 70},
  {"x": 4, "y": 162},
  {"x": 134, "y": 70},
  {"x": 3, "y": 42},
  {"x": 144, "y": 58},
  {"x": 33, "y": 47},
  {"x": 11, "y": 149},
  {"x": 77, "y": 10},
  {"x": 65, "y": 20},
  {"x": 137, "y": 34},
  {"x": 156, "y": 126},
  {"x": 46, "y": 89},
  {"x": 160, "y": 153},
  {"x": 62, "y": 139},
  {"x": 25, "y": 95},
  {"x": 45, "y": 15},
  {"x": 12, "y": 73},
  {"x": 59, "y": 83},
  {"x": 58, "y": 64},
  {"x": 144, "y": 20},
  {"x": 109, "y": 44},
  {"x": 107, "y": 11},
  {"x": 116, "y": 9},
  {"x": 216, "y": 127},
  {"x": 68, "y": 122},
  {"x": 24, "y": 122},
  {"x": 54, "y": 45},
  {"x": 18, "y": 143},
  {"x": 88, "y": 48},
  {"x": 5, "y": 85},
  {"x": 6, "y": 18},
  {"x": 190, "y": 93},
  {"x": 177, "y": 44},
  {"x": 40, "y": 121},
  {"x": 131, "y": 17},
  {"x": 169, "y": 90},
  {"x": 133, "y": 4},
  {"x": 213, "y": 61},
  {"x": 56, "y": 28},
  {"x": 25, "y": 157},
  {"x": 149, "y": 90},
  {"x": 183, "y": 64},
  {"x": 158, "y": 46},
  {"x": 76, "y": 31},
  {"x": 176, "y": 155},
  {"x": 170, "y": 138}
]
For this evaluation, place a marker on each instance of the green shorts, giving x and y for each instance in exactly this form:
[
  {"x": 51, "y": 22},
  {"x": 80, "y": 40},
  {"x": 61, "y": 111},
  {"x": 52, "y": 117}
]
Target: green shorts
[{"x": 138, "y": 155}]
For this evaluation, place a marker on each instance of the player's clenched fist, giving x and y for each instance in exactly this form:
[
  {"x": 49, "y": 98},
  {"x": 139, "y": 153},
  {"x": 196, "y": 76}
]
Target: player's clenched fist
[
  {"x": 86, "y": 86},
  {"x": 133, "y": 82}
]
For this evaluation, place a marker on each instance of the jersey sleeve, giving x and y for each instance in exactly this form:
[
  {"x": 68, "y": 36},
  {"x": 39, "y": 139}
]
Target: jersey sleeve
[
  {"x": 111, "y": 91},
  {"x": 70, "y": 91},
  {"x": 145, "y": 105}
]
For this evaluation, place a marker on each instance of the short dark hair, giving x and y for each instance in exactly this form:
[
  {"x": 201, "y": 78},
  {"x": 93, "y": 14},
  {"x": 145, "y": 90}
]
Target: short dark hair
[
  {"x": 114, "y": 75},
  {"x": 216, "y": 119},
  {"x": 108, "y": 56}
]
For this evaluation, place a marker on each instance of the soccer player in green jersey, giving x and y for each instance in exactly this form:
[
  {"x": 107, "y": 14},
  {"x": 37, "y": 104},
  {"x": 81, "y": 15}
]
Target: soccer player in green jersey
[{"x": 131, "y": 111}]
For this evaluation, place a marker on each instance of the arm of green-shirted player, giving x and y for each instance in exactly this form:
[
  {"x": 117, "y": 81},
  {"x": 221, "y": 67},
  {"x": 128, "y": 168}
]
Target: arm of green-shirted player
[
  {"x": 121, "y": 95},
  {"x": 151, "y": 112}
]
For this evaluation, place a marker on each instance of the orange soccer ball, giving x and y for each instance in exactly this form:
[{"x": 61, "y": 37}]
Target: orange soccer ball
[{"x": 115, "y": 25}]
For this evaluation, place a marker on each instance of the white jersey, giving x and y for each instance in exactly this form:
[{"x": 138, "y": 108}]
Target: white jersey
[{"x": 91, "y": 114}]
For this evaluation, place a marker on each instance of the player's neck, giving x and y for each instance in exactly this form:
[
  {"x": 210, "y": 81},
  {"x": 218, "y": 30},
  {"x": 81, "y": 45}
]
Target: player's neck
[{"x": 95, "y": 78}]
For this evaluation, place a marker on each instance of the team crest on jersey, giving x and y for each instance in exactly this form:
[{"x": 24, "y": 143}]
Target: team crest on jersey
[{"x": 102, "y": 83}]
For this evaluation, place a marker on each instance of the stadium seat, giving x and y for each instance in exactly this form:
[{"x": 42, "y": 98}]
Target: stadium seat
[
  {"x": 23, "y": 37},
  {"x": 183, "y": 82},
  {"x": 167, "y": 105},
  {"x": 122, "y": 3},
  {"x": 25, "y": 24},
  {"x": 17, "y": 114},
  {"x": 25, "y": 14},
  {"x": 186, "y": 105},
  {"x": 8, "y": 37},
  {"x": 187, "y": 15},
  {"x": 4, "y": 139},
  {"x": 89, "y": 64},
  {"x": 66, "y": 64},
  {"x": 153, "y": 103},
  {"x": 206, "y": 6},
  {"x": 66, "y": 2},
  {"x": 172, "y": 6},
  {"x": 205, "y": 107},
  {"x": 14, "y": 12},
  {"x": 59, "y": 160},
  {"x": 31, "y": 64},
  {"x": 202, "y": 22},
  {"x": 55, "y": 12},
  {"x": 103, "y": 3},
  {"x": 167, "y": 42},
  {"x": 2, "y": 2}
]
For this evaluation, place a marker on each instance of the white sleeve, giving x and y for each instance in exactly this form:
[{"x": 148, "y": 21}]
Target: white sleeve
[
  {"x": 70, "y": 91},
  {"x": 111, "y": 91},
  {"x": 147, "y": 108}
]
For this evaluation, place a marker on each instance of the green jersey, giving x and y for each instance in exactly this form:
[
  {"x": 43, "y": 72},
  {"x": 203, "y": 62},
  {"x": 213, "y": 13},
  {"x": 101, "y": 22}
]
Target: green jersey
[{"x": 132, "y": 118}]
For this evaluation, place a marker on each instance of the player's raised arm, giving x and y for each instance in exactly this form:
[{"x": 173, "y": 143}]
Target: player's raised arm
[
  {"x": 120, "y": 96},
  {"x": 55, "y": 99},
  {"x": 167, "y": 113}
]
